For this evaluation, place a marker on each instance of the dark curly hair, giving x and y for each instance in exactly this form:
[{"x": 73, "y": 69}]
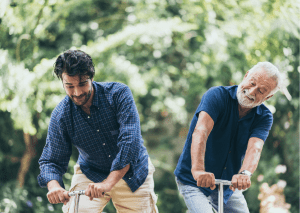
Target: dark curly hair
[{"x": 74, "y": 62}]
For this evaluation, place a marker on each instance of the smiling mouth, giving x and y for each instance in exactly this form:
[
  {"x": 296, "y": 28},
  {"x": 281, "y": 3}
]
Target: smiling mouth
[
  {"x": 245, "y": 93},
  {"x": 251, "y": 99},
  {"x": 79, "y": 97}
]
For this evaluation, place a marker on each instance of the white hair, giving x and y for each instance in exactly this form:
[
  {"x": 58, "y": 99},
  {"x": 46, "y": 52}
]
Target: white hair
[{"x": 272, "y": 72}]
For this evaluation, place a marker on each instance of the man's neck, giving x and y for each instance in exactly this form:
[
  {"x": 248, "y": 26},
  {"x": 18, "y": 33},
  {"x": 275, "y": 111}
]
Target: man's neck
[{"x": 243, "y": 111}]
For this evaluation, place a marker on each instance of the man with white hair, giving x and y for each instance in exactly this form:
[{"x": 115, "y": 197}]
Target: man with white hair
[{"x": 225, "y": 141}]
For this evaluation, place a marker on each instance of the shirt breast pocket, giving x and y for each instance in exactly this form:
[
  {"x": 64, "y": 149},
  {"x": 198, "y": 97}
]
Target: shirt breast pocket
[{"x": 114, "y": 134}]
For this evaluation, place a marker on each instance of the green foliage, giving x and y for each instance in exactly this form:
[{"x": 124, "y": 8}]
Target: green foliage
[{"x": 169, "y": 52}]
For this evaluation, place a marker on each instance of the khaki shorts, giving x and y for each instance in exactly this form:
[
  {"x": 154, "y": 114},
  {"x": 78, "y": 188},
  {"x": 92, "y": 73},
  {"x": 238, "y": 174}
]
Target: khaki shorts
[{"x": 142, "y": 200}]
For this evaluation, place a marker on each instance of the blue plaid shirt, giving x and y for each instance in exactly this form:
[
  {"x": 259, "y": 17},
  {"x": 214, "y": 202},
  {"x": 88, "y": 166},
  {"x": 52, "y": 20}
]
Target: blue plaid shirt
[{"x": 107, "y": 140}]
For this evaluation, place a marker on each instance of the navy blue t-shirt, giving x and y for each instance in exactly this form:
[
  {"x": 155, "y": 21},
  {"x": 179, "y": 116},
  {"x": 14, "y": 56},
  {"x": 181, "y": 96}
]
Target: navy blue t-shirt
[{"x": 227, "y": 143}]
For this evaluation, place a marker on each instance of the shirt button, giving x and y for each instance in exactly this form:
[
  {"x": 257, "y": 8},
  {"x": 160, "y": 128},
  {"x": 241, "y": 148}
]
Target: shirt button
[
  {"x": 97, "y": 130},
  {"x": 88, "y": 116},
  {"x": 224, "y": 168},
  {"x": 109, "y": 156},
  {"x": 103, "y": 144},
  {"x": 129, "y": 178}
]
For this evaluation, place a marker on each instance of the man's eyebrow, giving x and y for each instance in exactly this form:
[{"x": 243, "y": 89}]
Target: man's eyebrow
[
  {"x": 83, "y": 82},
  {"x": 264, "y": 88}
]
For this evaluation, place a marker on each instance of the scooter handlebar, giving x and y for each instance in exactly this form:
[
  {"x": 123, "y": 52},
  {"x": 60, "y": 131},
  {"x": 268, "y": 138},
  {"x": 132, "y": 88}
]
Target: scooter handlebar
[
  {"x": 80, "y": 192},
  {"x": 224, "y": 182}
]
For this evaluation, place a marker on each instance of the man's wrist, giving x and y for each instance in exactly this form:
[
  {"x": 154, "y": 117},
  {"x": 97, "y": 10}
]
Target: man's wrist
[
  {"x": 193, "y": 170},
  {"x": 245, "y": 172},
  {"x": 108, "y": 185},
  {"x": 53, "y": 184},
  {"x": 198, "y": 168}
]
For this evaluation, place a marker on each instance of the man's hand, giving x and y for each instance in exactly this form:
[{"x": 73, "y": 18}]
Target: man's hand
[
  {"x": 97, "y": 190},
  {"x": 240, "y": 181},
  {"x": 58, "y": 195},
  {"x": 204, "y": 179}
]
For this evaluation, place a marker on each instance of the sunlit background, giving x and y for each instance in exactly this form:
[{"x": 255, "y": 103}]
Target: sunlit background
[{"x": 169, "y": 52}]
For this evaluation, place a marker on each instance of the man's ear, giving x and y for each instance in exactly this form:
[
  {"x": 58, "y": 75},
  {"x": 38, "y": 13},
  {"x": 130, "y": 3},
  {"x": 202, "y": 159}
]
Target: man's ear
[
  {"x": 268, "y": 97},
  {"x": 245, "y": 76}
]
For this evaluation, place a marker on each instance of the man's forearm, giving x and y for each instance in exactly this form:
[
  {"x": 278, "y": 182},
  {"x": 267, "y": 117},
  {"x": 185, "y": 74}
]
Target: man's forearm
[
  {"x": 198, "y": 149},
  {"x": 253, "y": 154},
  {"x": 117, "y": 175},
  {"x": 199, "y": 138}
]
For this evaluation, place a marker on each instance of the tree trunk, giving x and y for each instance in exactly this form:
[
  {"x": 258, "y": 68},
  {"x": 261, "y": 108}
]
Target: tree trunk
[{"x": 30, "y": 152}]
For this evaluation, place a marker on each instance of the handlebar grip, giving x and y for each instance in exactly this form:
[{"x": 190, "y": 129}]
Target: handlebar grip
[
  {"x": 80, "y": 192},
  {"x": 224, "y": 182}
]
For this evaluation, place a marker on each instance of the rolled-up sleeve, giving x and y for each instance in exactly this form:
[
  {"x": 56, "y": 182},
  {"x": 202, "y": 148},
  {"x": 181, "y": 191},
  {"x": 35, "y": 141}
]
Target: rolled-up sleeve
[
  {"x": 129, "y": 139},
  {"x": 56, "y": 154}
]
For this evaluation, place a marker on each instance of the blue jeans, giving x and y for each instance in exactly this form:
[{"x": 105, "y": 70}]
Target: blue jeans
[{"x": 197, "y": 202}]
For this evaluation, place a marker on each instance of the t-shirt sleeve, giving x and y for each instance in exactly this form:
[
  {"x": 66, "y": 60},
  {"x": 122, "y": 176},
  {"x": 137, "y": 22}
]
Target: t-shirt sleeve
[
  {"x": 262, "y": 126},
  {"x": 212, "y": 102}
]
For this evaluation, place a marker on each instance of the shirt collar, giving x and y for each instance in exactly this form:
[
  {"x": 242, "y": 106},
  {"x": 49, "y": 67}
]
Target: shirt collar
[
  {"x": 96, "y": 100},
  {"x": 233, "y": 90}
]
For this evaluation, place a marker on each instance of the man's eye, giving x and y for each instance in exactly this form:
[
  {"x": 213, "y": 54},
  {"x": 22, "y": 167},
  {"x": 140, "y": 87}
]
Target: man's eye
[
  {"x": 70, "y": 87},
  {"x": 260, "y": 91}
]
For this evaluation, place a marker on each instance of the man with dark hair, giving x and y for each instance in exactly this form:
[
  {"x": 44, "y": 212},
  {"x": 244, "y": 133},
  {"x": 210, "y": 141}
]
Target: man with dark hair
[
  {"x": 102, "y": 122},
  {"x": 225, "y": 140}
]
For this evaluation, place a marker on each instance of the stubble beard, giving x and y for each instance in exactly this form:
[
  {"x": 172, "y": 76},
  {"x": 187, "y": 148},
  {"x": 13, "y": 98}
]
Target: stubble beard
[
  {"x": 87, "y": 97},
  {"x": 244, "y": 101}
]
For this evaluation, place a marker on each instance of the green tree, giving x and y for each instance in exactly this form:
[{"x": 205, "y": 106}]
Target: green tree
[{"x": 169, "y": 52}]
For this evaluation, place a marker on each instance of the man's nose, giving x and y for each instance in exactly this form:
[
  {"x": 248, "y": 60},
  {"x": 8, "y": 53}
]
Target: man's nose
[
  {"x": 77, "y": 92},
  {"x": 251, "y": 91}
]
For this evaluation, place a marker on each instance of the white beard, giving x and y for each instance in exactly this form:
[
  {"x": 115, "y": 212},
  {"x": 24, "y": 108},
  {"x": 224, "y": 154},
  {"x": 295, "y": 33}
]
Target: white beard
[{"x": 244, "y": 101}]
